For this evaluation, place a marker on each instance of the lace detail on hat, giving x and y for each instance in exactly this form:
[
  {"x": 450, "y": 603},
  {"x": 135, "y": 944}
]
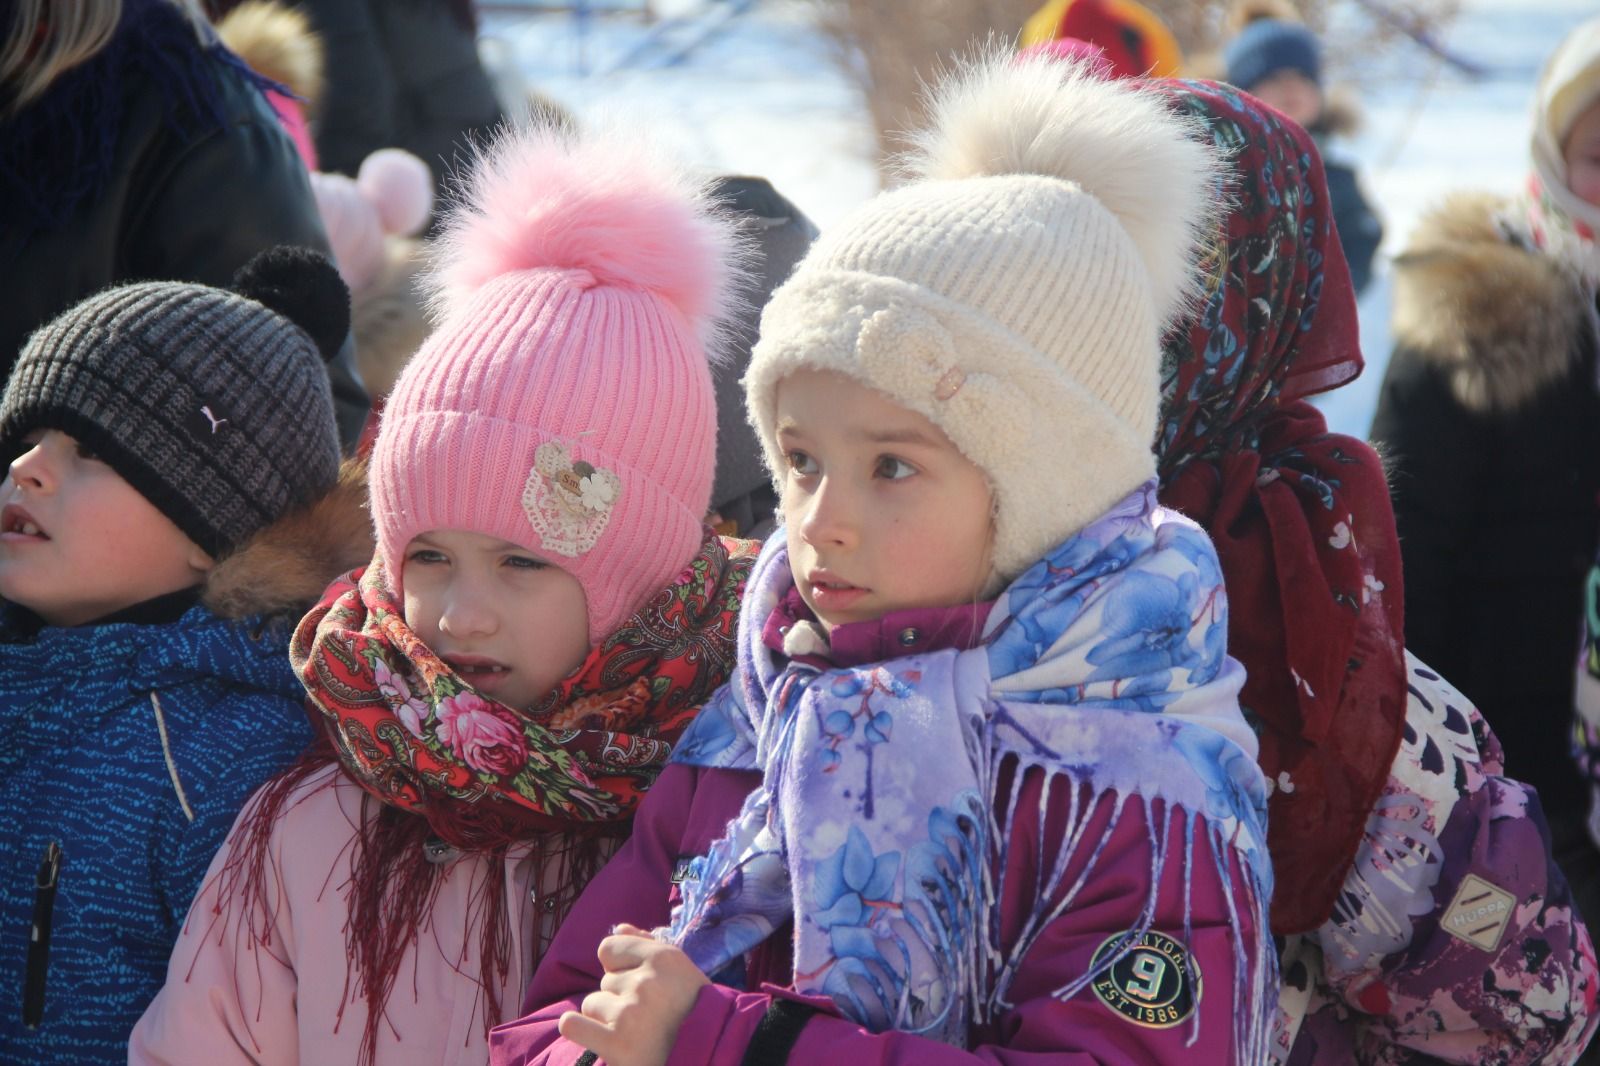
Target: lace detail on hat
[{"x": 569, "y": 502}]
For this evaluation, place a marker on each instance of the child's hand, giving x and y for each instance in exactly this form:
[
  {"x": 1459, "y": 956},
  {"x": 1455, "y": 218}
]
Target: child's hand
[{"x": 644, "y": 996}]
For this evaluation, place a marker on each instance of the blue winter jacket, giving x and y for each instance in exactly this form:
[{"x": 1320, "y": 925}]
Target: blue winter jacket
[{"x": 130, "y": 748}]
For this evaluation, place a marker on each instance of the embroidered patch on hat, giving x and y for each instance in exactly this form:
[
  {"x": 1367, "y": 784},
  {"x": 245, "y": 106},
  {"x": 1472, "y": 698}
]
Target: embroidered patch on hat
[
  {"x": 568, "y": 501},
  {"x": 1156, "y": 985},
  {"x": 1479, "y": 913}
]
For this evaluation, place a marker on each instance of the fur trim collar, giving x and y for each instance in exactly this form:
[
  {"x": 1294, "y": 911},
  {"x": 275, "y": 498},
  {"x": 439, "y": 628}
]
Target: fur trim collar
[
  {"x": 1501, "y": 317},
  {"x": 277, "y": 42},
  {"x": 284, "y": 568}
]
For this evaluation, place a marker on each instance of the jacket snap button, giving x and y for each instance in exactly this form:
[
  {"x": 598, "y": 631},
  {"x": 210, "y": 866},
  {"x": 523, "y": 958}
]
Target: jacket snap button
[{"x": 909, "y": 636}]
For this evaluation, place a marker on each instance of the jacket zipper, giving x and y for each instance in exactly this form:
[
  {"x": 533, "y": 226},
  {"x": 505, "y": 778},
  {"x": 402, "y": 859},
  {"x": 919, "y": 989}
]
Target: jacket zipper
[{"x": 44, "y": 903}]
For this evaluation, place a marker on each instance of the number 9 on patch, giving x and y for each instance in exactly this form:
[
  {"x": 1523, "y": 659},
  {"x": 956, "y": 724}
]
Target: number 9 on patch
[{"x": 1155, "y": 983}]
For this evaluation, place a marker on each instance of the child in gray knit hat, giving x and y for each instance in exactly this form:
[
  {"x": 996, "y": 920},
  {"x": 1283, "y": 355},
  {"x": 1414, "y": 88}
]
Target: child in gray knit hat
[{"x": 173, "y": 497}]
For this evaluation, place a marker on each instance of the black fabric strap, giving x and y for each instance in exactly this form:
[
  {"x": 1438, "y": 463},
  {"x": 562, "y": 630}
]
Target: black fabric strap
[
  {"x": 588, "y": 1058},
  {"x": 777, "y": 1033}
]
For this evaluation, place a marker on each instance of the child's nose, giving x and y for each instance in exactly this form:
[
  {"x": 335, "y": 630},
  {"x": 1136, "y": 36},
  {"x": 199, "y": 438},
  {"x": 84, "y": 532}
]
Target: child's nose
[
  {"x": 31, "y": 469},
  {"x": 465, "y": 614},
  {"x": 831, "y": 517}
]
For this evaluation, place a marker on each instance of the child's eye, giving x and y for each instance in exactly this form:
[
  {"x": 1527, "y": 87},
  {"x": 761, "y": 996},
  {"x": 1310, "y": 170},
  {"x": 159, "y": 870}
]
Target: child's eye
[
  {"x": 86, "y": 452},
  {"x": 891, "y": 469},
  {"x": 801, "y": 463},
  {"x": 525, "y": 562},
  {"x": 426, "y": 555}
]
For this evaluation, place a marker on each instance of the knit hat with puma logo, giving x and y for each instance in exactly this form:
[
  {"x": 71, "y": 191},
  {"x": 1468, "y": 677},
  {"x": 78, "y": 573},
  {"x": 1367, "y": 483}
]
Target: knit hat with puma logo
[{"x": 213, "y": 404}]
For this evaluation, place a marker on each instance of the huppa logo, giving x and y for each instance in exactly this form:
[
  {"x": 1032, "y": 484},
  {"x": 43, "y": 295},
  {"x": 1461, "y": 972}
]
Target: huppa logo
[
  {"x": 1156, "y": 984},
  {"x": 1479, "y": 913}
]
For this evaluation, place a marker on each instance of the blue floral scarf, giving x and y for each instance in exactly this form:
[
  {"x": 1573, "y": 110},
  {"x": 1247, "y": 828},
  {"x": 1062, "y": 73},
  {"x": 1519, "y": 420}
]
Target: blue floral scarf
[{"x": 875, "y": 827}]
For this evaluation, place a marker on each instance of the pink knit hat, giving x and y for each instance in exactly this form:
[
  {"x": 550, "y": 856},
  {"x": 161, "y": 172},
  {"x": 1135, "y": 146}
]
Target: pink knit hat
[{"x": 565, "y": 401}]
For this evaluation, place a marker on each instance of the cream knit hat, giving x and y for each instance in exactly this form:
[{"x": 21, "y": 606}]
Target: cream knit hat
[{"x": 1015, "y": 294}]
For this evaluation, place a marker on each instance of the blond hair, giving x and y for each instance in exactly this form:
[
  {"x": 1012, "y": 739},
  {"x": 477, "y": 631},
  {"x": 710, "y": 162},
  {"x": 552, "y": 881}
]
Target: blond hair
[{"x": 47, "y": 38}]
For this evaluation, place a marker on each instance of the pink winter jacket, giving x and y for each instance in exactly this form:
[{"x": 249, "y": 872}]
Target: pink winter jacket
[
  {"x": 227, "y": 1002},
  {"x": 690, "y": 807}
]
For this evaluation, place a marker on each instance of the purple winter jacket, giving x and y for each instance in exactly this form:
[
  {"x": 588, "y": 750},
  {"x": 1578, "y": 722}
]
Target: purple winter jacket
[
  {"x": 689, "y": 808},
  {"x": 1151, "y": 1011}
]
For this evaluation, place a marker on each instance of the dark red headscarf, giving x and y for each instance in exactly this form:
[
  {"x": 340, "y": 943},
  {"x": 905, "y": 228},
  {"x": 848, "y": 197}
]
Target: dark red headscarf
[{"x": 1301, "y": 517}]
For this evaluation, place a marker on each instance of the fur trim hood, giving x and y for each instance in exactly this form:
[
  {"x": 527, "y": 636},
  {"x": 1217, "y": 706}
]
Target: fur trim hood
[
  {"x": 1470, "y": 297},
  {"x": 277, "y": 42},
  {"x": 284, "y": 568}
]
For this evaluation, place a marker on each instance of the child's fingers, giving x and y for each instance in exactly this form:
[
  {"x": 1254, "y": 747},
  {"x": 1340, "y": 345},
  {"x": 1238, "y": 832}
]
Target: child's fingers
[
  {"x": 624, "y": 951},
  {"x": 602, "y": 1008},
  {"x": 585, "y": 1032},
  {"x": 624, "y": 929}
]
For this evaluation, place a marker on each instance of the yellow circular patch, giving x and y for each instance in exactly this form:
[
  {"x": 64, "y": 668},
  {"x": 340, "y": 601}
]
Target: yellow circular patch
[{"x": 1156, "y": 984}]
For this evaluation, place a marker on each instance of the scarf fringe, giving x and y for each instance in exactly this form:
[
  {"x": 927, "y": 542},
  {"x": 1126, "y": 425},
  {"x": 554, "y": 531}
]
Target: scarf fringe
[
  {"x": 1255, "y": 975},
  {"x": 390, "y": 896}
]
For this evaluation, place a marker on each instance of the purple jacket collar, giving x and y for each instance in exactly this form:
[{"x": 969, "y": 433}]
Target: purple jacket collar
[{"x": 914, "y": 631}]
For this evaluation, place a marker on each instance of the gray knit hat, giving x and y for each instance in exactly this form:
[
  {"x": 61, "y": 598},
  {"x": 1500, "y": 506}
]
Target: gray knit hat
[{"x": 213, "y": 406}]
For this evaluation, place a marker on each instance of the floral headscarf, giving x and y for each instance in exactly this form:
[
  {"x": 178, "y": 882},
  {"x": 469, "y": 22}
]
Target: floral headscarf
[
  {"x": 452, "y": 767},
  {"x": 1301, "y": 517},
  {"x": 1556, "y": 220}
]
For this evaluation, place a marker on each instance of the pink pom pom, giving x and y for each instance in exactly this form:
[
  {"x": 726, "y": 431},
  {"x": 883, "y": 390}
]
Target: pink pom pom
[
  {"x": 353, "y": 229},
  {"x": 605, "y": 203},
  {"x": 400, "y": 186}
]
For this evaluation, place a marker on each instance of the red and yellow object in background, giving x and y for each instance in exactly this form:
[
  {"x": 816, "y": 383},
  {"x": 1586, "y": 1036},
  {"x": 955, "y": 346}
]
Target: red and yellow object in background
[{"x": 1135, "y": 40}]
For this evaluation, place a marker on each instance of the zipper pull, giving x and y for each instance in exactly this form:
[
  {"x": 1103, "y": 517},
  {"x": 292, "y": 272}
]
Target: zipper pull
[{"x": 38, "y": 965}]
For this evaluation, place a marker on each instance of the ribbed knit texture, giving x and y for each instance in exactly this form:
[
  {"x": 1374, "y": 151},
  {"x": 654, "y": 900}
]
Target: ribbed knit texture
[
  {"x": 215, "y": 408},
  {"x": 612, "y": 373},
  {"x": 1014, "y": 312}
]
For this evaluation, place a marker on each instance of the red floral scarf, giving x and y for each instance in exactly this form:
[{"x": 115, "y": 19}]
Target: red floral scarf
[
  {"x": 1300, "y": 517},
  {"x": 417, "y": 737},
  {"x": 450, "y": 765}
]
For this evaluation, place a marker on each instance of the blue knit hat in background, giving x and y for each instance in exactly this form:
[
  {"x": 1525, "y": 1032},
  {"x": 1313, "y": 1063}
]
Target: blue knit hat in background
[{"x": 1268, "y": 46}]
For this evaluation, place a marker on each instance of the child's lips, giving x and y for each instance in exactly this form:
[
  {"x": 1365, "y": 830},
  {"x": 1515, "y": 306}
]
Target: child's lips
[
  {"x": 479, "y": 671},
  {"x": 831, "y": 593},
  {"x": 17, "y": 526}
]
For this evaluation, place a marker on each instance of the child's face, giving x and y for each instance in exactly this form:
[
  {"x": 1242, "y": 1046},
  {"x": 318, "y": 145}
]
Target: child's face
[
  {"x": 1582, "y": 155},
  {"x": 510, "y": 624},
  {"x": 1292, "y": 93},
  {"x": 883, "y": 513},
  {"x": 78, "y": 543}
]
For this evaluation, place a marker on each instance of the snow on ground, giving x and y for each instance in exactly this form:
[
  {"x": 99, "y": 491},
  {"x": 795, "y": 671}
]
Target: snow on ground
[{"x": 767, "y": 96}]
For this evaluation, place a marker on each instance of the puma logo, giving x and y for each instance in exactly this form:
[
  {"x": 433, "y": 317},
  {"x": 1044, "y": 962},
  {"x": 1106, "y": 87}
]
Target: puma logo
[{"x": 216, "y": 423}]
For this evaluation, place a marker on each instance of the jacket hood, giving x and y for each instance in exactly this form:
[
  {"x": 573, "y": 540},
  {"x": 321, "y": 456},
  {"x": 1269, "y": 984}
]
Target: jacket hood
[
  {"x": 284, "y": 568},
  {"x": 1475, "y": 300}
]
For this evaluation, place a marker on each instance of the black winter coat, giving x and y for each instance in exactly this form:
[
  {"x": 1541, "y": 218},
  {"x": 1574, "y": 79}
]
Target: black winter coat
[
  {"x": 1490, "y": 418},
  {"x": 1359, "y": 227},
  {"x": 400, "y": 74},
  {"x": 176, "y": 205}
]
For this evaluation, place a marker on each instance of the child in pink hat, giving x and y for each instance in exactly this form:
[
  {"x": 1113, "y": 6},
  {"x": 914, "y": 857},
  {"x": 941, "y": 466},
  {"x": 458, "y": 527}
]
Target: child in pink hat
[{"x": 544, "y": 616}]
